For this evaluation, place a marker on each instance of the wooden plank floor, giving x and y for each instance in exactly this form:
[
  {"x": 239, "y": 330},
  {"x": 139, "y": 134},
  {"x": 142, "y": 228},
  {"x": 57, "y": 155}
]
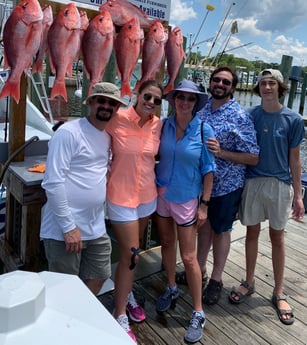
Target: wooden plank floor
[{"x": 252, "y": 322}]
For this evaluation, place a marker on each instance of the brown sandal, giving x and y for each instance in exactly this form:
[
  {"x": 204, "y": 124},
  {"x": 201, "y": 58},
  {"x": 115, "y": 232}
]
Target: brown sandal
[{"x": 235, "y": 296}]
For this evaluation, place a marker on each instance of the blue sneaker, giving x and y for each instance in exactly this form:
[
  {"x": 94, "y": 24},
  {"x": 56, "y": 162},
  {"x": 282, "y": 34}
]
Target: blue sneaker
[
  {"x": 165, "y": 301},
  {"x": 195, "y": 331}
]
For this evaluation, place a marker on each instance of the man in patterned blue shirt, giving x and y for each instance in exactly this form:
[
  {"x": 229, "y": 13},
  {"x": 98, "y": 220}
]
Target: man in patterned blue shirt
[{"x": 234, "y": 147}]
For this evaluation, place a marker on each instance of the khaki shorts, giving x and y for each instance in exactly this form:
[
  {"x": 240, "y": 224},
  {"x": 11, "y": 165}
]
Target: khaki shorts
[
  {"x": 266, "y": 198},
  {"x": 93, "y": 262}
]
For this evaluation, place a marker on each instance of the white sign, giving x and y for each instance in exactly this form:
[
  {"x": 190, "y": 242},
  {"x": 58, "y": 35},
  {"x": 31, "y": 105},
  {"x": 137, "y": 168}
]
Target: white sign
[{"x": 159, "y": 9}]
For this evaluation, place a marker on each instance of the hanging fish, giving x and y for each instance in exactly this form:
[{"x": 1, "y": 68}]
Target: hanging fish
[
  {"x": 127, "y": 49},
  {"x": 22, "y": 36},
  {"x": 122, "y": 11},
  {"x": 40, "y": 56},
  {"x": 174, "y": 55},
  {"x": 97, "y": 46},
  {"x": 63, "y": 45},
  {"x": 153, "y": 51}
]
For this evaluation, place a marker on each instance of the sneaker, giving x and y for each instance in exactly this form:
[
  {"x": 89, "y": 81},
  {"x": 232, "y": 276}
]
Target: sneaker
[
  {"x": 124, "y": 323},
  {"x": 195, "y": 331},
  {"x": 212, "y": 292},
  {"x": 135, "y": 312},
  {"x": 165, "y": 301}
]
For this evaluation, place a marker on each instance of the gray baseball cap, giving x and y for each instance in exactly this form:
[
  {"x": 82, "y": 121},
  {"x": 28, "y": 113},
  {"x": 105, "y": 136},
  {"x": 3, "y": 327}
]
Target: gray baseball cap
[{"x": 270, "y": 73}]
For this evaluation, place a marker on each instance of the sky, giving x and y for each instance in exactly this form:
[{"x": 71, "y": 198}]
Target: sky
[{"x": 267, "y": 29}]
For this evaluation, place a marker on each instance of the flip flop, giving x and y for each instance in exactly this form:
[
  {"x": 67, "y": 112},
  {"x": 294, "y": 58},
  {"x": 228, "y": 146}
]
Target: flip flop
[
  {"x": 241, "y": 297},
  {"x": 282, "y": 312}
]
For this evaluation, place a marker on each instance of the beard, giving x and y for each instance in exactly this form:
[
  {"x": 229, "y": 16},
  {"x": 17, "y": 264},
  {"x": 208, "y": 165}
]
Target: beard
[
  {"x": 106, "y": 114},
  {"x": 217, "y": 95}
]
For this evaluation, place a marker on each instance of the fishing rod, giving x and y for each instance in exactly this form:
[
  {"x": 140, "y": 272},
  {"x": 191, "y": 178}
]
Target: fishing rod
[
  {"x": 209, "y": 8},
  {"x": 228, "y": 50},
  {"x": 219, "y": 31}
]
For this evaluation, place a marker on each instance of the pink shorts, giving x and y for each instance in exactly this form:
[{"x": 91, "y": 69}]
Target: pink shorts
[{"x": 184, "y": 214}]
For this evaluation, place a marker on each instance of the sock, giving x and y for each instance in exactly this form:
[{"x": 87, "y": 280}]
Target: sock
[
  {"x": 130, "y": 297},
  {"x": 173, "y": 288},
  {"x": 201, "y": 312}
]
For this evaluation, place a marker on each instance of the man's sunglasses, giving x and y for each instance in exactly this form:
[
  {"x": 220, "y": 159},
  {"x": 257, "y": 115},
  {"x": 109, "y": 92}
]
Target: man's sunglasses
[
  {"x": 148, "y": 96},
  {"x": 102, "y": 100},
  {"x": 224, "y": 81},
  {"x": 186, "y": 98}
]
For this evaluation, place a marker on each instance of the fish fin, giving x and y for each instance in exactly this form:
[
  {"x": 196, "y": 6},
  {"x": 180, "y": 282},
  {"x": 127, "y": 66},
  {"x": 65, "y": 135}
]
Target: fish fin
[
  {"x": 6, "y": 63},
  {"x": 11, "y": 88},
  {"x": 125, "y": 89},
  {"x": 59, "y": 89},
  {"x": 52, "y": 66}
]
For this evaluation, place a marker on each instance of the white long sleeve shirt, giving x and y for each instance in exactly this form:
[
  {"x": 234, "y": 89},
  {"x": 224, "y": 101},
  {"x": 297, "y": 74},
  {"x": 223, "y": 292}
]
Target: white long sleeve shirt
[{"x": 75, "y": 181}]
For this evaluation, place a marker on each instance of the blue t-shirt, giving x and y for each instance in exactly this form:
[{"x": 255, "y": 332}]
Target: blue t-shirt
[
  {"x": 235, "y": 132},
  {"x": 277, "y": 133},
  {"x": 183, "y": 163}
]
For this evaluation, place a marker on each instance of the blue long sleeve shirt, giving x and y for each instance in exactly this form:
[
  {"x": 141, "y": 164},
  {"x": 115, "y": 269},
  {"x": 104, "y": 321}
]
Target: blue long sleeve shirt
[{"x": 184, "y": 163}]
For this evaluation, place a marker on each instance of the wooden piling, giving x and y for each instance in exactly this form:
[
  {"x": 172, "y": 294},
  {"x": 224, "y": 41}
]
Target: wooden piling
[
  {"x": 303, "y": 94},
  {"x": 285, "y": 68}
]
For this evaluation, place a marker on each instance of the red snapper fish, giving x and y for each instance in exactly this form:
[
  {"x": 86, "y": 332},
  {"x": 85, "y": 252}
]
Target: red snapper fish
[
  {"x": 122, "y": 11},
  {"x": 152, "y": 52},
  {"x": 63, "y": 44},
  {"x": 22, "y": 35},
  {"x": 97, "y": 46},
  {"x": 127, "y": 49},
  {"x": 174, "y": 55},
  {"x": 47, "y": 21}
]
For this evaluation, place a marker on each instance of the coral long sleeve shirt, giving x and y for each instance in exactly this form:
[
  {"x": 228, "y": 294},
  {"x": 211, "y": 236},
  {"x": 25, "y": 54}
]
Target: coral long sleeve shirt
[{"x": 132, "y": 174}]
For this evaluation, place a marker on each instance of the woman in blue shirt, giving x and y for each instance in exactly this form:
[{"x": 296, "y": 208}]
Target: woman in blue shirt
[{"x": 184, "y": 173}]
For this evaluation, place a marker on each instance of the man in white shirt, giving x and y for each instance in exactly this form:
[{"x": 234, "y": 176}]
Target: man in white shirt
[{"x": 73, "y": 223}]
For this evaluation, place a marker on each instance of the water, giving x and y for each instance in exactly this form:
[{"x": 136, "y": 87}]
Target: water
[{"x": 246, "y": 99}]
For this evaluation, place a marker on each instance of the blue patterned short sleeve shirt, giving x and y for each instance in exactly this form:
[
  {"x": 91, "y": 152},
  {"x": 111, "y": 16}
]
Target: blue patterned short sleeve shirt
[{"x": 235, "y": 132}]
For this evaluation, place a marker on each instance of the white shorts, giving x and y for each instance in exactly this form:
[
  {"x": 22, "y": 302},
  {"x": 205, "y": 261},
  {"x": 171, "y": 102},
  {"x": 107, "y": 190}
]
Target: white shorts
[
  {"x": 266, "y": 198},
  {"x": 122, "y": 214}
]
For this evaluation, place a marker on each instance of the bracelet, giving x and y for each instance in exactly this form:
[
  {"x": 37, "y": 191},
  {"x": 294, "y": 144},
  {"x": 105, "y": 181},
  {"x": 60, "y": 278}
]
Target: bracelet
[{"x": 205, "y": 202}]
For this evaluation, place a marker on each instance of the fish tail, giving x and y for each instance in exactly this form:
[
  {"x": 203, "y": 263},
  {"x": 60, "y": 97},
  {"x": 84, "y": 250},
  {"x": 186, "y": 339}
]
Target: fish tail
[
  {"x": 11, "y": 88},
  {"x": 125, "y": 89},
  {"x": 90, "y": 87},
  {"x": 58, "y": 89},
  {"x": 169, "y": 87},
  {"x": 37, "y": 67}
]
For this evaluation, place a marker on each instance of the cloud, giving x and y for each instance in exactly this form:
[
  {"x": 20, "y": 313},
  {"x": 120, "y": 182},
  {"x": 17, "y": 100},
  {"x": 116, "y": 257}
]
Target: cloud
[
  {"x": 276, "y": 16},
  {"x": 276, "y": 27},
  {"x": 182, "y": 11}
]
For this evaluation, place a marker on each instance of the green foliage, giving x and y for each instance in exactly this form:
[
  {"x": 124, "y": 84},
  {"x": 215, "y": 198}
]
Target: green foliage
[{"x": 236, "y": 62}]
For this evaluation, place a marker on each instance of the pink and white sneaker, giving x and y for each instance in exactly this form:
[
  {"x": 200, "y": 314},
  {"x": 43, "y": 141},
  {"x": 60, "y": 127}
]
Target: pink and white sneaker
[
  {"x": 124, "y": 323},
  {"x": 135, "y": 312}
]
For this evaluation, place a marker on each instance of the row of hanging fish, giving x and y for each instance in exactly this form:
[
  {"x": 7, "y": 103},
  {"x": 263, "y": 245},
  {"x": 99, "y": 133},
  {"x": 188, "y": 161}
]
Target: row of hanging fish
[{"x": 31, "y": 33}]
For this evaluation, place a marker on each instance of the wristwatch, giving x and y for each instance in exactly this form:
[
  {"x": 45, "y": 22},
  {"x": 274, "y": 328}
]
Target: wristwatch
[{"x": 205, "y": 202}]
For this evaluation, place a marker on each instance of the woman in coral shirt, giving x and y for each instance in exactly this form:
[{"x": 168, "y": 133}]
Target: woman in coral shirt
[{"x": 131, "y": 190}]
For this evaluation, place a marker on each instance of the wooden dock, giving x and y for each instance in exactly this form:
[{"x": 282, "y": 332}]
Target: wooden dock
[{"x": 252, "y": 322}]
